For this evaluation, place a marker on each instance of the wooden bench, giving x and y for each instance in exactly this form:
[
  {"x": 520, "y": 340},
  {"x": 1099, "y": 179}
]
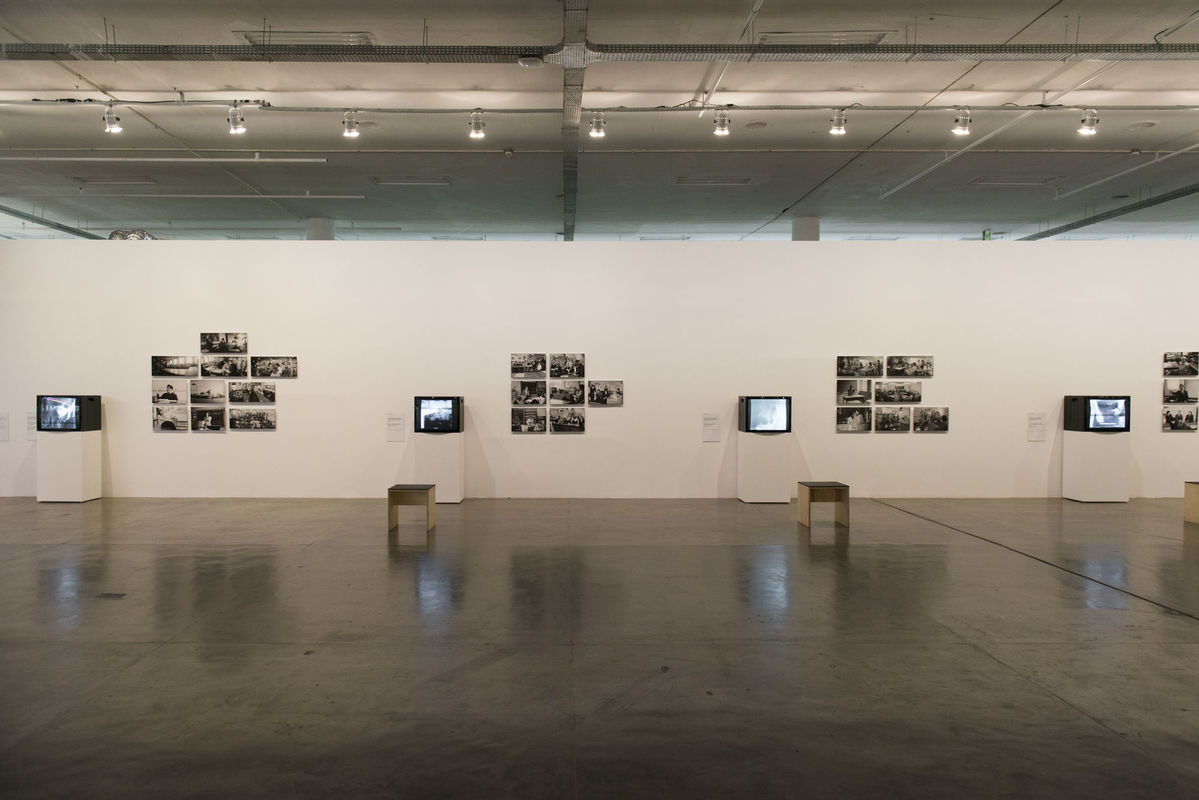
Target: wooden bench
[
  {"x": 412, "y": 494},
  {"x": 823, "y": 492},
  {"x": 1190, "y": 507}
]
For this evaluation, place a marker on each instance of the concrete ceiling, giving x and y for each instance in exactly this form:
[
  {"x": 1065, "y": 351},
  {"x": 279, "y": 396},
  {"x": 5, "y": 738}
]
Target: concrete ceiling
[{"x": 176, "y": 172}]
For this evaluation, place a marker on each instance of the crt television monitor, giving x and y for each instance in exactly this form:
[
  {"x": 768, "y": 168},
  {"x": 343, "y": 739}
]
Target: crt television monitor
[
  {"x": 438, "y": 414},
  {"x": 764, "y": 414},
  {"x": 68, "y": 412},
  {"x": 1098, "y": 413}
]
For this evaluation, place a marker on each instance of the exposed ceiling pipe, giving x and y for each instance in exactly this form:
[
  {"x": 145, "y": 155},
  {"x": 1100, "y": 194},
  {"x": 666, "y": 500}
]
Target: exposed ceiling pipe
[
  {"x": 58, "y": 226},
  {"x": 703, "y": 96},
  {"x": 1168, "y": 197},
  {"x": 1159, "y": 158},
  {"x": 593, "y": 52}
]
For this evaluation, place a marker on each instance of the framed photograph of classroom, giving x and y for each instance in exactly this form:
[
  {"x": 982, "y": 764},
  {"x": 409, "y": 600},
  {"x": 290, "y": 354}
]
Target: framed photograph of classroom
[
  {"x": 893, "y": 419},
  {"x": 859, "y": 366},
  {"x": 528, "y": 365},
  {"x": 927, "y": 419},
  {"x": 909, "y": 366},
  {"x": 853, "y": 391},
  {"x": 528, "y": 393},
  {"x": 170, "y": 419},
  {"x": 1181, "y": 363},
  {"x": 854, "y": 419},
  {"x": 898, "y": 391},
  {"x": 605, "y": 393},
  {"x": 274, "y": 366},
  {"x": 1180, "y": 390},
  {"x": 224, "y": 343},
  {"x": 174, "y": 366},
  {"x": 528, "y": 420},
  {"x": 1178, "y": 418}
]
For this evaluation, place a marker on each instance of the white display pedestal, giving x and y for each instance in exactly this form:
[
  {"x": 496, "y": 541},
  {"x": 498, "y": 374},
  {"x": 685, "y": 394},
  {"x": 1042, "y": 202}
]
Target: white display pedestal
[
  {"x": 1095, "y": 466},
  {"x": 68, "y": 466},
  {"x": 765, "y": 469},
  {"x": 440, "y": 458}
]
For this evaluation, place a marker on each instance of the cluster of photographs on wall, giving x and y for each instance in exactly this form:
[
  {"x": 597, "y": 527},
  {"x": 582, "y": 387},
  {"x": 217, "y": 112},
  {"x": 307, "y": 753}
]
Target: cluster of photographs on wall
[
  {"x": 551, "y": 393},
  {"x": 865, "y": 404},
  {"x": 197, "y": 393},
  {"x": 1180, "y": 391}
]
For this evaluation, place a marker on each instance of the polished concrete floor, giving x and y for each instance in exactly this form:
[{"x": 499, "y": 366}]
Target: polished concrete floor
[{"x": 598, "y": 649}]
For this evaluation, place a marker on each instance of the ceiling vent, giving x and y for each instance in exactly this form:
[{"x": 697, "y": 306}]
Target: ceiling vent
[
  {"x": 1014, "y": 181},
  {"x": 824, "y": 37},
  {"x": 412, "y": 181},
  {"x": 713, "y": 180},
  {"x": 270, "y": 36}
]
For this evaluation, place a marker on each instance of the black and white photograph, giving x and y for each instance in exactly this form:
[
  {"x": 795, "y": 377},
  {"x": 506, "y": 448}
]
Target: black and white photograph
[
  {"x": 1180, "y": 364},
  {"x": 252, "y": 419},
  {"x": 208, "y": 420},
  {"x": 174, "y": 366},
  {"x": 224, "y": 343},
  {"x": 859, "y": 366},
  {"x": 849, "y": 392},
  {"x": 528, "y": 393},
  {"x": 1175, "y": 418},
  {"x": 854, "y": 419},
  {"x": 928, "y": 419},
  {"x": 251, "y": 392},
  {"x": 566, "y": 365},
  {"x": 909, "y": 366},
  {"x": 1180, "y": 391},
  {"x": 568, "y": 420},
  {"x": 898, "y": 391},
  {"x": 897, "y": 419},
  {"x": 169, "y": 392},
  {"x": 224, "y": 366},
  {"x": 203, "y": 391},
  {"x": 605, "y": 393},
  {"x": 170, "y": 419},
  {"x": 274, "y": 366},
  {"x": 528, "y": 365},
  {"x": 566, "y": 393},
  {"x": 528, "y": 420}
]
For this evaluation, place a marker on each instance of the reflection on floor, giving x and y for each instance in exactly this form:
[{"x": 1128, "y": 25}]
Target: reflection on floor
[{"x": 598, "y": 649}]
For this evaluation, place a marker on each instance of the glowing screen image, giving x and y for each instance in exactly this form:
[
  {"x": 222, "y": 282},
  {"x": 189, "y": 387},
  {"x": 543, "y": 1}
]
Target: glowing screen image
[
  {"x": 59, "y": 414},
  {"x": 768, "y": 414},
  {"x": 437, "y": 415},
  {"x": 1107, "y": 414}
]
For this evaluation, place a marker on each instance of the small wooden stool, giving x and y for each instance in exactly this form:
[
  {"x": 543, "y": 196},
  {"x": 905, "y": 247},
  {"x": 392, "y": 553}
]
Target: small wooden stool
[
  {"x": 1190, "y": 507},
  {"x": 823, "y": 492},
  {"x": 412, "y": 494}
]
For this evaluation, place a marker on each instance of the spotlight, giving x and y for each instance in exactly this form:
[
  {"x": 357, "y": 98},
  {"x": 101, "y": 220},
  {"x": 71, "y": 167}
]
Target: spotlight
[
  {"x": 112, "y": 123},
  {"x": 1090, "y": 123},
  {"x": 836, "y": 125},
  {"x": 721, "y": 124},
  {"x": 477, "y": 125},
  {"x": 350, "y": 123},
  {"x": 237, "y": 123},
  {"x": 961, "y": 123},
  {"x": 597, "y": 125}
]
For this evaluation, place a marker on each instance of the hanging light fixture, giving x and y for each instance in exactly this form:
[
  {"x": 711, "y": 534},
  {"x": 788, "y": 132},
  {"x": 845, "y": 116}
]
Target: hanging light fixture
[
  {"x": 350, "y": 123},
  {"x": 112, "y": 123},
  {"x": 836, "y": 125},
  {"x": 721, "y": 124},
  {"x": 597, "y": 125},
  {"x": 1090, "y": 123},
  {"x": 237, "y": 123},
  {"x": 477, "y": 125},
  {"x": 961, "y": 123}
]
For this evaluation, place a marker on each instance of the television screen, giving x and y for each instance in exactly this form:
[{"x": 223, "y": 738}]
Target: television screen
[
  {"x": 58, "y": 413},
  {"x": 438, "y": 414},
  {"x": 765, "y": 414},
  {"x": 1107, "y": 414}
]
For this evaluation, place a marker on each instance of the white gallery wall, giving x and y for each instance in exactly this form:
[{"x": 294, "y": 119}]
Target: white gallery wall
[{"x": 688, "y": 327}]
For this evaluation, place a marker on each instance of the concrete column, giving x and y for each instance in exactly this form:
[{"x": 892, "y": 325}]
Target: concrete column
[
  {"x": 805, "y": 229},
  {"x": 320, "y": 228}
]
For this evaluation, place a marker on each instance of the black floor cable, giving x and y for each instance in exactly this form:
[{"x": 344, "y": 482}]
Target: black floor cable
[{"x": 1075, "y": 573}]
